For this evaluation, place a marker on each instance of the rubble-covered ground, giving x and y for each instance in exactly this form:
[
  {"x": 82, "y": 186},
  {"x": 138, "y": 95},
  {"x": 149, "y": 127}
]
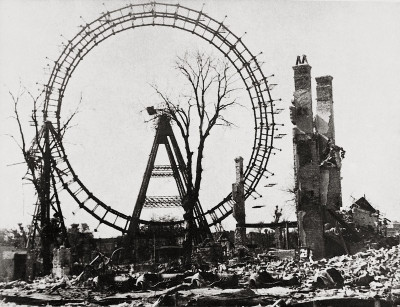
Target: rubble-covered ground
[{"x": 372, "y": 275}]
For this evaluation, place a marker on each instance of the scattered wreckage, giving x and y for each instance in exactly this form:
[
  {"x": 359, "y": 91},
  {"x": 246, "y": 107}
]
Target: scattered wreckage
[{"x": 371, "y": 277}]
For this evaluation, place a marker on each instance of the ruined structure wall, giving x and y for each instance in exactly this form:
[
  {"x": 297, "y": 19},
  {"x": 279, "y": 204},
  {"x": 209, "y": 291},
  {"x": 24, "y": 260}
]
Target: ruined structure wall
[
  {"x": 310, "y": 215},
  {"x": 325, "y": 125},
  {"x": 324, "y": 118},
  {"x": 306, "y": 164},
  {"x": 61, "y": 262},
  {"x": 365, "y": 218},
  {"x": 334, "y": 189}
]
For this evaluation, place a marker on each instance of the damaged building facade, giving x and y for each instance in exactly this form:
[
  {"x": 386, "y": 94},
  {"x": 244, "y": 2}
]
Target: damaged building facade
[{"x": 317, "y": 160}]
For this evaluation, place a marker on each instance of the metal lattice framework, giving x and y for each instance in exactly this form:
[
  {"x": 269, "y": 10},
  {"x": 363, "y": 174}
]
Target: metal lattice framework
[
  {"x": 162, "y": 201},
  {"x": 161, "y": 15},
  {"x": 162, "y": 171}
]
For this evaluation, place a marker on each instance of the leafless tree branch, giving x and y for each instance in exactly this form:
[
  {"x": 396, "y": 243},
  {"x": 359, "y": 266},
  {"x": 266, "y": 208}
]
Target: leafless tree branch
[{"x": 211, "y": 86}]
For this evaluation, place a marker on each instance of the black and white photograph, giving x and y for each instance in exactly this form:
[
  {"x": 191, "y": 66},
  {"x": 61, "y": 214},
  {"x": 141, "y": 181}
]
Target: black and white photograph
[{"x": 199, "y": 153}]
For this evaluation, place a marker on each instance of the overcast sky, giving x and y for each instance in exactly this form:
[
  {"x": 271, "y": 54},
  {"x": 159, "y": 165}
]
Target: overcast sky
[{"x": 355, "y": 42}]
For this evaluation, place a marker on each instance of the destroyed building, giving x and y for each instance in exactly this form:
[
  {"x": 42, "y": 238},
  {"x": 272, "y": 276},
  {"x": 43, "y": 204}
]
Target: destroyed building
[
  {"x": 364, "y": 214},
  {"x": 12, "y": 263},
  {"x": 323, "y": 228},
  {"x": 393, "y": 229},
  {"x": 317, "y": 160}
]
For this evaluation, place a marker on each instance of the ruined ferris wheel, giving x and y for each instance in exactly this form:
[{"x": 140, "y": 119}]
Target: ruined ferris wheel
[{"x": 55, "y": 170}]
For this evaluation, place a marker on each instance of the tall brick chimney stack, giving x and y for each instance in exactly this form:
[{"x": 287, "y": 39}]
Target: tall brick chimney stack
[
  {"x": 239, "y": 212},
  {"x": 324, "y": 119},
  {"x": 331, "y": 192},
  {"x": 306, "y": 163},
  {"x": 302, "y": 95}
]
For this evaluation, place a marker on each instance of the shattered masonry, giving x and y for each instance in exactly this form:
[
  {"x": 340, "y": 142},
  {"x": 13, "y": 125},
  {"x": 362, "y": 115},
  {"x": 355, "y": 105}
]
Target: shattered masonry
[
  {"x": 306, "y": 164},
  {"x": 325, "y": 127},
  {"x": 61, "y": 262},
  {"x": 317, "y": 159}
]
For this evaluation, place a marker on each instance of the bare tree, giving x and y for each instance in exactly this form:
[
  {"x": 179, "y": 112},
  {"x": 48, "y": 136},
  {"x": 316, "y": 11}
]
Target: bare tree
[
  {"x": 39, "y": 174},
  {"x": 31, "y": 159},
  {"x": 211, "y": 86}
]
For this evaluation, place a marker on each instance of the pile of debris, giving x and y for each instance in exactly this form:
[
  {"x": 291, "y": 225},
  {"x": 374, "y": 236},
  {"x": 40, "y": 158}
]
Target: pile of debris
[
  {"x": 345, "y": 236},
  {"x": 370, "y": 274}
]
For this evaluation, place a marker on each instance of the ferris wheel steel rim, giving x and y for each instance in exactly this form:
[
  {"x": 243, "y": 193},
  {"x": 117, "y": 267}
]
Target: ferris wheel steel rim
[{"x": 182, "y": 18}]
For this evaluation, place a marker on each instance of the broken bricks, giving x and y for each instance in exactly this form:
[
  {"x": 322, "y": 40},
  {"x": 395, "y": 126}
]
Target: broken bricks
[
  {"x": 329, "y": 278},
  {"x": 368, "y": 274}
]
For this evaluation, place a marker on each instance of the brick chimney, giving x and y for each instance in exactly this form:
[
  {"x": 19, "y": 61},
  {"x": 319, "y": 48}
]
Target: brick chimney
[
  {"x": 331, "y": 191},
  {"x": 306, "y": 162},
  {"x": 239, "y": 212}
]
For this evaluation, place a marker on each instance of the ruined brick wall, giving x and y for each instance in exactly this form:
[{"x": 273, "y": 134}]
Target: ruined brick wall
[
  {"x": 309, "y": 210},
  {"x": 306, "y": 164},
  {"x": 317, "y": 159},
  {"x": 325, "y": 127},
  {"x": 324, "y": 118},
  {"x": 61, "y": 262},
  {"x": 365, "y": 218},
  {"x": 6, "y": 263},
  {"x": 334, "y": 189},
  {"x": 10, "y": 267}
]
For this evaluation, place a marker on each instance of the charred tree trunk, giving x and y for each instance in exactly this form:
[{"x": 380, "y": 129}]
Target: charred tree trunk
[
  {"x": 188, "y": 206},
  {"x": 45, "y": 205}
]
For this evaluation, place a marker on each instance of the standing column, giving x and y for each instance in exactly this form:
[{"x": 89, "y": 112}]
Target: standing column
[
  {"x": 239, "y": 212},
  {"x": 331, "y": 191},
  {"x": 306, "y": 163}
]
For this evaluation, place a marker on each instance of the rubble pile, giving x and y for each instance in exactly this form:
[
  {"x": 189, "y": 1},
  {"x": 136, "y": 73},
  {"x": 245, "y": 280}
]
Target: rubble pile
[
  {"x": 372, "y": 274},
  {"x": 346, "y": 236}
]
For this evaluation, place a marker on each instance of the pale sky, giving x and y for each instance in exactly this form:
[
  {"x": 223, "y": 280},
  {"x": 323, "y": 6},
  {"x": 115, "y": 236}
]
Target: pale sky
[{"x": 355, "y": 42}]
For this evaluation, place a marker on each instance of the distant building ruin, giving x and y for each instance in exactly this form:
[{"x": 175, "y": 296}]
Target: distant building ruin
[
  {"x": 317, "y": 160},
  {"x": 239, "y": 212},
  {"x": 365, "y": 215}
]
